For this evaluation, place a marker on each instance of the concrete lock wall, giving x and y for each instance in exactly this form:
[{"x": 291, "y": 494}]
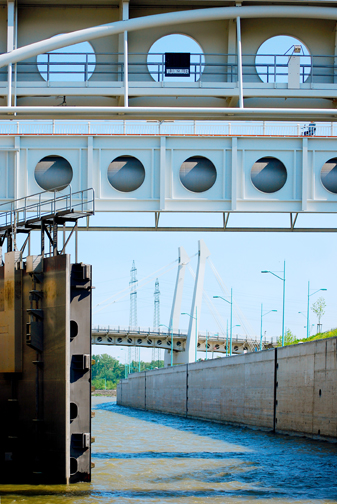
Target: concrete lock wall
[
  {"x": 290, "y": 389},
  {"x": 306, "y": 386}
]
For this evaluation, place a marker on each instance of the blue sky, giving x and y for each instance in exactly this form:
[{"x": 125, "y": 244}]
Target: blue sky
[{"x": 239, "y": 259}]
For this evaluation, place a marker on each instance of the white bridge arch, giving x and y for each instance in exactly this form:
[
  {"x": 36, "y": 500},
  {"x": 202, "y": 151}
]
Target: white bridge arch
[{"x": 321, "y": 96}]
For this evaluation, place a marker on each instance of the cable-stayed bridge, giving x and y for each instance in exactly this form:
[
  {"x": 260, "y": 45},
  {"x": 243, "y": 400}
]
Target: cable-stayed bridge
[{"x": 184, "y": 345}]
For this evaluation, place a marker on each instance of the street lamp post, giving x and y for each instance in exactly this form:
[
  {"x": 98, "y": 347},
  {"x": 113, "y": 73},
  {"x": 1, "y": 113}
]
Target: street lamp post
[
  {"x": 312, "y": 325},
  {"x": 308, "y": 310},
  {"x": 262, "y": 315},
  {"x": 171, "y": 331},
  {"x": 284, "y": 293},
  {"x": 196, "y": 330},
  {"x": 231, "y": 319}
]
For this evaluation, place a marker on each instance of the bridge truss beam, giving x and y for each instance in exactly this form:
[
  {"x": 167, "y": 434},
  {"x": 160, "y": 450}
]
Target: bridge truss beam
[{"x": 215, "y": 344}]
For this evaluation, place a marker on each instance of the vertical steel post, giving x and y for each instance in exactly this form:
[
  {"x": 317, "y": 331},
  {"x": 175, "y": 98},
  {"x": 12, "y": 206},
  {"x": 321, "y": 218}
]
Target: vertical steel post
[
  {"x": 239, "y": 51},
  {"x": 10, "y": 46},
  {"x": 55, "y": 236},
  {"x": 48, "y": 69},
  {"x": 206, "y": 343},
  {"x": 231, "y": 329},
  {"x": 308, "y": 311},
  {"x": 42, "y": 239},
  {"x": 9, "y": 90},
  {"x": 284, "y": 295},
  {"x": 126, "y": 70},
  {"x": 261, "y": 326},
  {"x": 76, "y": 242}
]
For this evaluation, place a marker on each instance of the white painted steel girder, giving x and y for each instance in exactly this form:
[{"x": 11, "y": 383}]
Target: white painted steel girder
[{"x": 162, "y": 189}]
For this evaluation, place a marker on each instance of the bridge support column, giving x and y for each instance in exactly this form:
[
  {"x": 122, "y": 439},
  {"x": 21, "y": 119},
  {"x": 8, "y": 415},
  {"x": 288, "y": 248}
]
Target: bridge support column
[
  {"x": 191, "y": 343},
  {"x": 10, "y": 45},
  {"x": 123, "y": 52}
]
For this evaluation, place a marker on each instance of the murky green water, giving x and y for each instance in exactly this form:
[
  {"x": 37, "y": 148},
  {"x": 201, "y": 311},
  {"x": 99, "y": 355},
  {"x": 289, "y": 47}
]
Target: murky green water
[{"x": 144, "y": 457}]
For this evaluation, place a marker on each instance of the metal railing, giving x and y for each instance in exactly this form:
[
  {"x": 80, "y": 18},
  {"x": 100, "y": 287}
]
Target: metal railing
[
  {"x": 80, "y": 67},
  {"x": 204, "y": 67},
  {"x": 271, "y": 68},
  {"x": 170, "y": 128},
  {"x": 37, "y": 206},
  {"x": 141, "y": 331}
]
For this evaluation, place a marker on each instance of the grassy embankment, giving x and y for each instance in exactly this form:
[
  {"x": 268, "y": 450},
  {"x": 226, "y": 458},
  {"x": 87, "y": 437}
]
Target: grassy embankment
[{"x": 328, "y": 334}]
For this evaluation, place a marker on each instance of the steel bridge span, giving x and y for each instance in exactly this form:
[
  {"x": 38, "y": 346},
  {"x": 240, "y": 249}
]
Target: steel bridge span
[{"x": 158, "y": 339}]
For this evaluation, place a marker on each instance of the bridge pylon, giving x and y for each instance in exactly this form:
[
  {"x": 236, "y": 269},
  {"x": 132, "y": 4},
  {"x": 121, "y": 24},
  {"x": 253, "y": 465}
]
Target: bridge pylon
[
  {"x": 190, "y": 353},
  {"x": 177, "y": 298}
]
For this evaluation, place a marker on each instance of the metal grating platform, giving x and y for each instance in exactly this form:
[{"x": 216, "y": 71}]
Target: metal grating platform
[{"x": 41, "y": 212}]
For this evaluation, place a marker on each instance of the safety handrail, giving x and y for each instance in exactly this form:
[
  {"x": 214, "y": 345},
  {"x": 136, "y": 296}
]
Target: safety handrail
[
  {"x": 23, "y": 209},
  {"x": 153, "y": 128}
]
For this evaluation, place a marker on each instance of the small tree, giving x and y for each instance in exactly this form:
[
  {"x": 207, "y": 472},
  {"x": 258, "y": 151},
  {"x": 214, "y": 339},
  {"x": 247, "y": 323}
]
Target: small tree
[
  {"x": 289, "y": 338},
  {"x": 319, "y": 309}
]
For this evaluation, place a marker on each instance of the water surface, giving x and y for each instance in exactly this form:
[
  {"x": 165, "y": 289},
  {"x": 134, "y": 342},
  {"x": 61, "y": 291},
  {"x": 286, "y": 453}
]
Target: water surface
[{"x": 143, "y": 457}]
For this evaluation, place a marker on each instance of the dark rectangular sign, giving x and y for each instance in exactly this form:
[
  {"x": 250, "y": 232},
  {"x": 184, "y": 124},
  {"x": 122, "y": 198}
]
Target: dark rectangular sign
[{"x": 177, "y": 64}]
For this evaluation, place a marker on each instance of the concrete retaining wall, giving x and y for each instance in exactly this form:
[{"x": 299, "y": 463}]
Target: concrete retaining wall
[
  {"x": 306, "y": 388},
  {"x": 290, "y": 389}
]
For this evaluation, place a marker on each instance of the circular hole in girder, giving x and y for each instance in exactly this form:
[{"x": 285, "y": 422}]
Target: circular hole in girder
[
  {"x": 329, "y": 175},
  {"x": 75, "y": 63},
  {"x": 269, "y": 174},
  {"x": 278, "y": 54},
  {"x": 126, "y": 173},
  {"x": 197, "y": 174},
  {"x": 53, "y": 173},
  {"x": 166, "y": 59}
]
